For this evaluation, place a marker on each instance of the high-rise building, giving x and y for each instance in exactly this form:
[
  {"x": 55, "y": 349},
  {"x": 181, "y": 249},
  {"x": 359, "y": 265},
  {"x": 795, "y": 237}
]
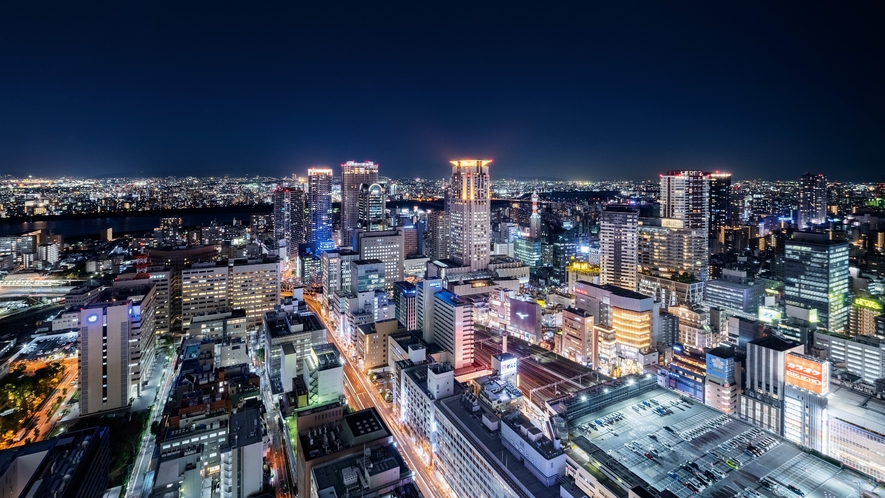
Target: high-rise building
[
  {"x": 282, "y": 217},
  {"x": 353, "y": 176},
  {"x": 535, "y": 219},
  {"x": 453, "y": 326},
  {"x": 812, "y": 200},
  {"x": 720, "y": 202},
  {"x": 667, "y": 249},
  {"x": 320, "y": 202},
  {"x": 105, "y": 330},
  {"x": 469, "y": 212},
  {"x": 762, "y": 401},
  {"x": 388, "y": 246},
  {"x": 618, "y": 250},
  {"x": 685, "y": 195},
  {"x": 424, "y": 299},
  {"x": 372, "y": 207},
  {"x": 578, "y": 338},
  {"x": 807, "y": 382},
  {"x": 405, "y": 295},
  {"x": 437, "y": 235},
  {"x": 816, "y": 278},
  {"x": 722, "y": 384}
]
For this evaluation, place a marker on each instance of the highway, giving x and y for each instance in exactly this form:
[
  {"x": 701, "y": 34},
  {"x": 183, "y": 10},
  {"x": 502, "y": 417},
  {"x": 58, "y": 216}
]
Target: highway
[{"x": 361, "y": 394}]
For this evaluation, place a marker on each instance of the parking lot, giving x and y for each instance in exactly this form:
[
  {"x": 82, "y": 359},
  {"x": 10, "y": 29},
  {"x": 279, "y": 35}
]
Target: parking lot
[{"x": 691, "y": 449}]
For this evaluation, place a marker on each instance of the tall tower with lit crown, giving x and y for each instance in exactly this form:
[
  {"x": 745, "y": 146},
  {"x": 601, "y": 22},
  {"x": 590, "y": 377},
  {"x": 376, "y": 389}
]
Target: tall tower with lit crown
[
  {"x": 535, "y": 220},
  {"x": 469, "y": 213},
  {"x": 320, "y": 188},
  {"x": 353, "y": 176}
]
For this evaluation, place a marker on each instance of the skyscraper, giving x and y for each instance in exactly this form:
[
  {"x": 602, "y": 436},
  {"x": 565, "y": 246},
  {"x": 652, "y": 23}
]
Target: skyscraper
[
  {"x": 535, "y": 219},
  {"x": 618, "y": 251},
  {"x": 437, "y": 235},
  {"x": 812, "y": 199},
  {"x": 320, "y": 195},
  {"x": 372, "y": 207},
  {"x": 353, "y": 175},
  {"x": 469, "y": 213},
  {"x": 816, "y": 278},
  {"x": 720, "y": 201},
  {"x": 685, "y": 196},
  {"x": 282, "y": 217}
]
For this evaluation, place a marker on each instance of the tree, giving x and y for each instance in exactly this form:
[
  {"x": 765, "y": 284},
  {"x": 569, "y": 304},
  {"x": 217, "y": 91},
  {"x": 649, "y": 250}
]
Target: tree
[{"x": 155, "y": 427}]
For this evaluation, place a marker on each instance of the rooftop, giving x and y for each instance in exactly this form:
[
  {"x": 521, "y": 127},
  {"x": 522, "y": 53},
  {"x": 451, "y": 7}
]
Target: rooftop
[
  {"x": 354, "y": 429},
  {"x": 337, "y": 477},
  {"x": 774, "y": 342},
  {"x": 452, "y": 299}
]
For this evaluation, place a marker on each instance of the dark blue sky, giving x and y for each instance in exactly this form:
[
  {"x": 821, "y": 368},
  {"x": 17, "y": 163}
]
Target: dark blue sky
[{"x": 588, "y": 91}]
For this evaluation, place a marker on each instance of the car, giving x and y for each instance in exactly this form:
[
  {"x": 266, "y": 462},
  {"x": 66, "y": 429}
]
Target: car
[
  {"x": 668, "y": 428},
  {"x": 649, "y": 456},
  {"x": 752, "y": 494},
  {"x": 693, "y": 465},
  {"x": 689, "y": 486},
  {"x": 795, "y": 490},
  {"x": 711, "y": 476},
  {"x": 673, "y": 475},
  {"x": 731, "y": 463}
]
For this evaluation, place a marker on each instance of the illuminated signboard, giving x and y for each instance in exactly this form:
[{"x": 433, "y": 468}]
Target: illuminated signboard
[
  {"x": 769, "y": 315},
  {"x": 722, "y": 368},
  {"x": 807, "y": 374},
  {"x": 870, "y": 304},
  {"x": 92, "y": 318},
  {"x": 525, "y": 316},
  {"x": 812, "y": 316}
]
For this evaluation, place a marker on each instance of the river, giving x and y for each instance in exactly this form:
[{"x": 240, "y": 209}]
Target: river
[{"x": 134, "y": 224}]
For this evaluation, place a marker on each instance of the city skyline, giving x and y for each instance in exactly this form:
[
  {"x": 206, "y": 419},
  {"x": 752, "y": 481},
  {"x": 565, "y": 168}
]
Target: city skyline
[{"x": 578, "y": 92}]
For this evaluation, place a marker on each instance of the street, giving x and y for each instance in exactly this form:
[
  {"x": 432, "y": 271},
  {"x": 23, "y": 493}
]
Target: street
[{"x": 360, "y": 394}]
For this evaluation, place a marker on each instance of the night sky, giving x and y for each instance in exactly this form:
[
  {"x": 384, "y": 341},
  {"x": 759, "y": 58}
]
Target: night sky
[{"x": 585, "y": 91}]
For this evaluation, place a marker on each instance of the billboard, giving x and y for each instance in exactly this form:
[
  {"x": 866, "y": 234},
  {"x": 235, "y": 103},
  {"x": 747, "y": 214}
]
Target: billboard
[
  {"x": 721, "y": 368},
  {"x": 769, "y": 315},
  {"x": 525, "y": 316},
  {"x": 807, "y": 373}
]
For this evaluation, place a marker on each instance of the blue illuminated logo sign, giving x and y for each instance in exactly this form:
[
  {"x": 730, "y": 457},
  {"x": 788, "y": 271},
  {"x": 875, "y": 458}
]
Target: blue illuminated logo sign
[{"x": 92, "y": 318}]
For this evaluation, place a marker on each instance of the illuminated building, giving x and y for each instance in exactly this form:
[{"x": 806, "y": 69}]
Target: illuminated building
[
  {"x": 438, "y": 235},
  {"x": 863, "y": 356},
  {"x": 733, "y": 295},
  {"x": 288, "y": 339},
  {"x": 816, "y": 277},
  {"x": 320, "y": 202},
  {"x": 720, "y": 202},
  {"x": 694, "y": 327},
  {"x": 404, "y": 295},
  {"x": 856, "y": 430},
  {"x": 424, "y": 305},
  {"x": 387, "y": 246},
  {"x": 577, "y": 270},
  {"x": 535, "y": 219},
  {"x": 105, "y": 355},
  {"x": 578, "y": 337},
  {"x": 468, "y": 211},
  {"x": 618, "y": 250},
  {"x": 421, "y": 386},
  {"x": 387, "y": 471},
  {"x": 289, "y": 223},
  {"x": 686, "y": 371},
  {"x": 453, "y": 326},
  {"x": 862, "y": 315},
  {"x": 812, "y": 200},
  {"x": 667, "y": 249},
  {"x": 371, "y": 343},
  {"x": 807, "y": 382},
  {"x": 763, "y": 398},
  {"x": 372, "y": 207},
  {"x": 685, "y": 196},
  {"x": 528, "y": 251},
  {"x": 353, "y": 176},
  {"x": 722, "y": 384},
  {"x": 632, "y": 317}
]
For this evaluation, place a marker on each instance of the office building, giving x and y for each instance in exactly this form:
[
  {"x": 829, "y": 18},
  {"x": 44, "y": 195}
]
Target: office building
[
  {"x": 405, "y": 298},
  {"x": 861, "y": 356},
  {"x": 424, "y": 305},
  {"x": 371, "y": 343},
  {"x": 807, "y": 383},
  {"x": 73, "y": 465},
  {"x": 618, "y": 249},
  {"x": 762, "y": 401},
  {"x": 320, "y": 204},
  {"x": 855, "y": 429},
  {"x": 720, "y": 202},
  {"x": 862, "y": 316},
  {"x": 282, "y": 218},
  {"x": 377, "y": 472},
  {"x": 104, "y": 356},
  {"x": 733, "y": 295},
  {"x": 437, "y": 235},
  {"x": 816, "y": 278},
  {"x": 297, "y": 333},
  {"x": 353, "y": 176},
  {"x": 372, "y": 208},
  {"x": 323, "y": 374},
  {"x": 686, "y": 371},
  {"x": 722, "y": 385},
  {"x": 243, "y": 454},
  {"x": 142, "y": 294},
  {"x": 453, "y": 326},
  {"x": 812, "y": 200},
  {"x": 203, "y": 290},
  {"x": 352, "y": 434},
  {"x": 630, "y": 316},
  {"x": 528, "y": 251},
  {"x": 386, "y": 246},
  {"x": 423, "y": 384},
  {"x": 469, "y": 214},
  {"x": 578, "y": 337},
  {"x": 666, "y": 248}
]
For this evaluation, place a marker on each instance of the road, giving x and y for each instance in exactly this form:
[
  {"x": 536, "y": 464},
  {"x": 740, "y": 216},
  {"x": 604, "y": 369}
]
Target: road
[
  {"x": 360, "y": 395},
  {"x": 143, "y": 460},
  {"x": 276, "y": 453}
]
